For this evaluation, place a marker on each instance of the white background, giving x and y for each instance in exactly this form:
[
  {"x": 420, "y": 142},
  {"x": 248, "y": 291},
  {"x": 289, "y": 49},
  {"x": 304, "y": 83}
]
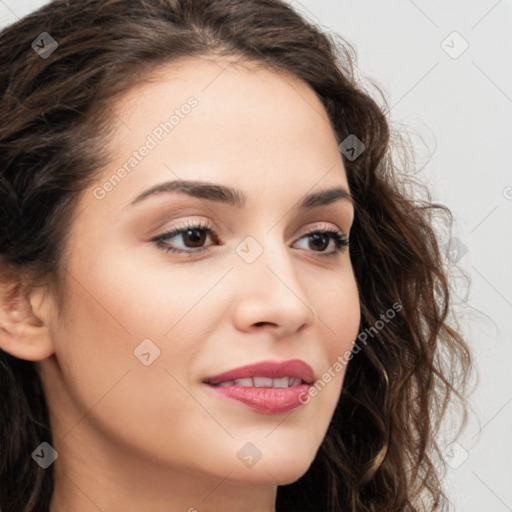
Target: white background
[{"x": 461, "y": 107}]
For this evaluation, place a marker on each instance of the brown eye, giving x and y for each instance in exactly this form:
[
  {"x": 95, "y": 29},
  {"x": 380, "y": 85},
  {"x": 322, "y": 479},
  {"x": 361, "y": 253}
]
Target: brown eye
[
  {"x": 195, "y": 236},
  {"x": 319, "y": 241},
  {"x": 185, "y": 239}
]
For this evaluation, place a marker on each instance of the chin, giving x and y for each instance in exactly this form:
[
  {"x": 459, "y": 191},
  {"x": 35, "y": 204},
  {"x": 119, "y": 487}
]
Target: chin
[
  {"x": 275, "y": 476},
  {"x": 276, "y": 470}
]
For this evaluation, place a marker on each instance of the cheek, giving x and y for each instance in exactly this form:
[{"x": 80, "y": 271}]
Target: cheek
[
  {"x": 122, "y": 307},
  {"x": 110, "y": 310},
  {"x": 338, "y": 310},
  {"x": 136, "y": 298},
  {"x": 136, "y": 406},
  {"x": 337, "y": 306}
]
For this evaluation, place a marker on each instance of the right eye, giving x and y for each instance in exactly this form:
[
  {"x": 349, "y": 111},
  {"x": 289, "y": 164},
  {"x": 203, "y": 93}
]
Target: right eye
[{"x": 194, "y": 233}]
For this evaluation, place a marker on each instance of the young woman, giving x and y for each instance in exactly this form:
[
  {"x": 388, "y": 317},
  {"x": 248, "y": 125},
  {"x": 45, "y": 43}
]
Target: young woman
[{"x": 218, "y": 291}]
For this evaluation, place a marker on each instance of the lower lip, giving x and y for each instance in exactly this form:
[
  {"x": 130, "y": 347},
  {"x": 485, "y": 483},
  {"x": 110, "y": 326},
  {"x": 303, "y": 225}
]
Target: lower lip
[{"x": 265, "y": 400}]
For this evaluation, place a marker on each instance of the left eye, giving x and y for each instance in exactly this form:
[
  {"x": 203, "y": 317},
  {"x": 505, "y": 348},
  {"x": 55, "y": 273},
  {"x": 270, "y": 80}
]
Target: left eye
[{"x": 322, "y": 240}]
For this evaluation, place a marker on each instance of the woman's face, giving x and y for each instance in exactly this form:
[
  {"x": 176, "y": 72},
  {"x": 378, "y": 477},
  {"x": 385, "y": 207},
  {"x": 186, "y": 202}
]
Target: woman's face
[{"x": 143, "y": 327}]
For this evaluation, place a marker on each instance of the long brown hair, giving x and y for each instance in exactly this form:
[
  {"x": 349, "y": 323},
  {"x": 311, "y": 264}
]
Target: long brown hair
[{"x": 380, "y": 452}]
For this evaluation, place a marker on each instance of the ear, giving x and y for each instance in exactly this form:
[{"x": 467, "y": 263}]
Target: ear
[{"x": 24, "y": 320}]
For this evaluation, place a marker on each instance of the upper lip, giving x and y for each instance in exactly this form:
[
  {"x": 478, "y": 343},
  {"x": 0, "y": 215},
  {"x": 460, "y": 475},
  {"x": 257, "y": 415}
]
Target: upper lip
[{"x": 273, "y": 369}]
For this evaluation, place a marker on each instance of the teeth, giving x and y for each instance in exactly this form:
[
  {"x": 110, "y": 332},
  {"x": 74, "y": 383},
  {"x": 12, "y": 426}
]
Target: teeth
[
  {"x": 264, "y": 382},
  {"x": 228, "y": 383},
  {"x": 283, "y": 382},
  {"x": 243, "y": 382}
]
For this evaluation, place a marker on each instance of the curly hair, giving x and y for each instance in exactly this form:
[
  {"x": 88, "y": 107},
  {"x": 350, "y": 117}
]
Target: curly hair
[{"x": 380, "y": 452}]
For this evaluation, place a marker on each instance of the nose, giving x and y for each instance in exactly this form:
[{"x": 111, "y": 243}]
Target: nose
[{"x": 270, "y": 295}]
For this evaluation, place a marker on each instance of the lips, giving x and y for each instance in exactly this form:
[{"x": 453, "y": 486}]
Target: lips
[
  {"x": 294, "y": 368},
  {"x": 269, "y": 387}
]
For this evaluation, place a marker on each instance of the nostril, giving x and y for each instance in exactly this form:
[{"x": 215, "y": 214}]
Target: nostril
[{"x": 259, "y": 324}]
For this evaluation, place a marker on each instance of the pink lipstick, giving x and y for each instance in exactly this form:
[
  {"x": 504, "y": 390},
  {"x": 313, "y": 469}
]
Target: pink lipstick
[{"x": 270, "y": 387}]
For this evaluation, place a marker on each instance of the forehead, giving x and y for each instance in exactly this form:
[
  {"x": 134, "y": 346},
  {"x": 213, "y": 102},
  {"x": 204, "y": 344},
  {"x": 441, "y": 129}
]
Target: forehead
[
  {"x": 219, "y": 79},
  {"x": 248, "y": 122},
  {"x": 234, "y": 97}
]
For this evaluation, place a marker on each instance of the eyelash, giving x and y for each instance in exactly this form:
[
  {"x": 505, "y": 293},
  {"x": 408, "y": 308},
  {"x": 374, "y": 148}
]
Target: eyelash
[{"x": 341, "y": 240}]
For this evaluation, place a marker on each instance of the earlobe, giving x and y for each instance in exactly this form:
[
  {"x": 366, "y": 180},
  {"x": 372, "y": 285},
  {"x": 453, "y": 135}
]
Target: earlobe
[{"x": 24, "y": 322}]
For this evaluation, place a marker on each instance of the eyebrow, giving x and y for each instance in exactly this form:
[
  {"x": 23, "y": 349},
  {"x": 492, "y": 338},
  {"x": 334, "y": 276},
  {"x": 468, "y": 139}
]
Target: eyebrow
[{"x": 234, "y": 197}]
